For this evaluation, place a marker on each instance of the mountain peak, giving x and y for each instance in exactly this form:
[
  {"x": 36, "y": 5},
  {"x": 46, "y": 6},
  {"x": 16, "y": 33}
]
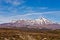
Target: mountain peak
[
  {"x": 39, "y": 21},
  {"x": 43, "y": 20}
]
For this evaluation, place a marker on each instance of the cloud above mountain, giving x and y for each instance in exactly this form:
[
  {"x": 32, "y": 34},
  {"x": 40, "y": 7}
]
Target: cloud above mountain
[
  {"x": 29, "y": 16},
  {"x": 27, "y": 9}
]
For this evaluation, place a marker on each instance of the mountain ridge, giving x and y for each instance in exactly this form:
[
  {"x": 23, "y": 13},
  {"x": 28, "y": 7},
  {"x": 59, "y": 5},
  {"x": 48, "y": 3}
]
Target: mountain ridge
[{"x": 36, "y": 24}]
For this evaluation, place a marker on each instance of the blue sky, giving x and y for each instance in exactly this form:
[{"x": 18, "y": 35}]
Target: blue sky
[{"x": 29, "y": 9}]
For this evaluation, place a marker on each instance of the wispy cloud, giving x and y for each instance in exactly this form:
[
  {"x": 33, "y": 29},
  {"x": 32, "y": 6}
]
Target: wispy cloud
[
  {"x": 22, "y": 12},
  {"x": 26, "y": 16},
  {"x": 15, "y": 2},
  {"x": 42, "y": 8}
]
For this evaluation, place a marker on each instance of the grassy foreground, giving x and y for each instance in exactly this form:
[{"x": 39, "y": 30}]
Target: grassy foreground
[{"x": 9, "y": 34}]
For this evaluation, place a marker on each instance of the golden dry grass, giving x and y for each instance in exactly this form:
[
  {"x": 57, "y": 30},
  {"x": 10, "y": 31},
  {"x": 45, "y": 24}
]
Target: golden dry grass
[{"x": 9, "y": 34}]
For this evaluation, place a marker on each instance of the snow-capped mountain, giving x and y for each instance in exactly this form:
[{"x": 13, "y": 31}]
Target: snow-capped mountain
[
  {"x": 40, "y": 21},
  {"x": 43, "y": 21},
  {"x": 37, "y": 23}
]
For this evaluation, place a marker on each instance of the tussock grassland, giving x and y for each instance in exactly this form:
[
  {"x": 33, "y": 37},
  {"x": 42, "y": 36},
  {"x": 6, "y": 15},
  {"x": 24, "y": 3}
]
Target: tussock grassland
[{"x": 9, "y": 34}]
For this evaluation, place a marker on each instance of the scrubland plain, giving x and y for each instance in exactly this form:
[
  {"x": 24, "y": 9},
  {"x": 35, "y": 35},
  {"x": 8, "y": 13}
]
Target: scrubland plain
[{"x": 13, "y": 34}]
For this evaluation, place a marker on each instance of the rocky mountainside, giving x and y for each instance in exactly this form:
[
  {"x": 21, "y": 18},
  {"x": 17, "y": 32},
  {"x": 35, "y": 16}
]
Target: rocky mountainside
[{"x": 41, "y": 23}]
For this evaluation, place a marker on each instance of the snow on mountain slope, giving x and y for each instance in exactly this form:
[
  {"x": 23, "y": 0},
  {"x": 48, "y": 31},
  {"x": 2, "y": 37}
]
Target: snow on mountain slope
[
  {"x": 43, "y": 21},
  {"x": 37, "y": 23},
  {"x": 40, "y": 21}
]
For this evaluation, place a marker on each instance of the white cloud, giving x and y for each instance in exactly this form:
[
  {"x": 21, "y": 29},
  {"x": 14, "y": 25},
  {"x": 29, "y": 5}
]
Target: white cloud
[
  {"x": 51, "y": 12},
  {"x": 15, "y": 2},
  {"x": 17, "y": 17},
  {"x": 29, "y": 15},
  {"x": 29, "y": 11}
]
